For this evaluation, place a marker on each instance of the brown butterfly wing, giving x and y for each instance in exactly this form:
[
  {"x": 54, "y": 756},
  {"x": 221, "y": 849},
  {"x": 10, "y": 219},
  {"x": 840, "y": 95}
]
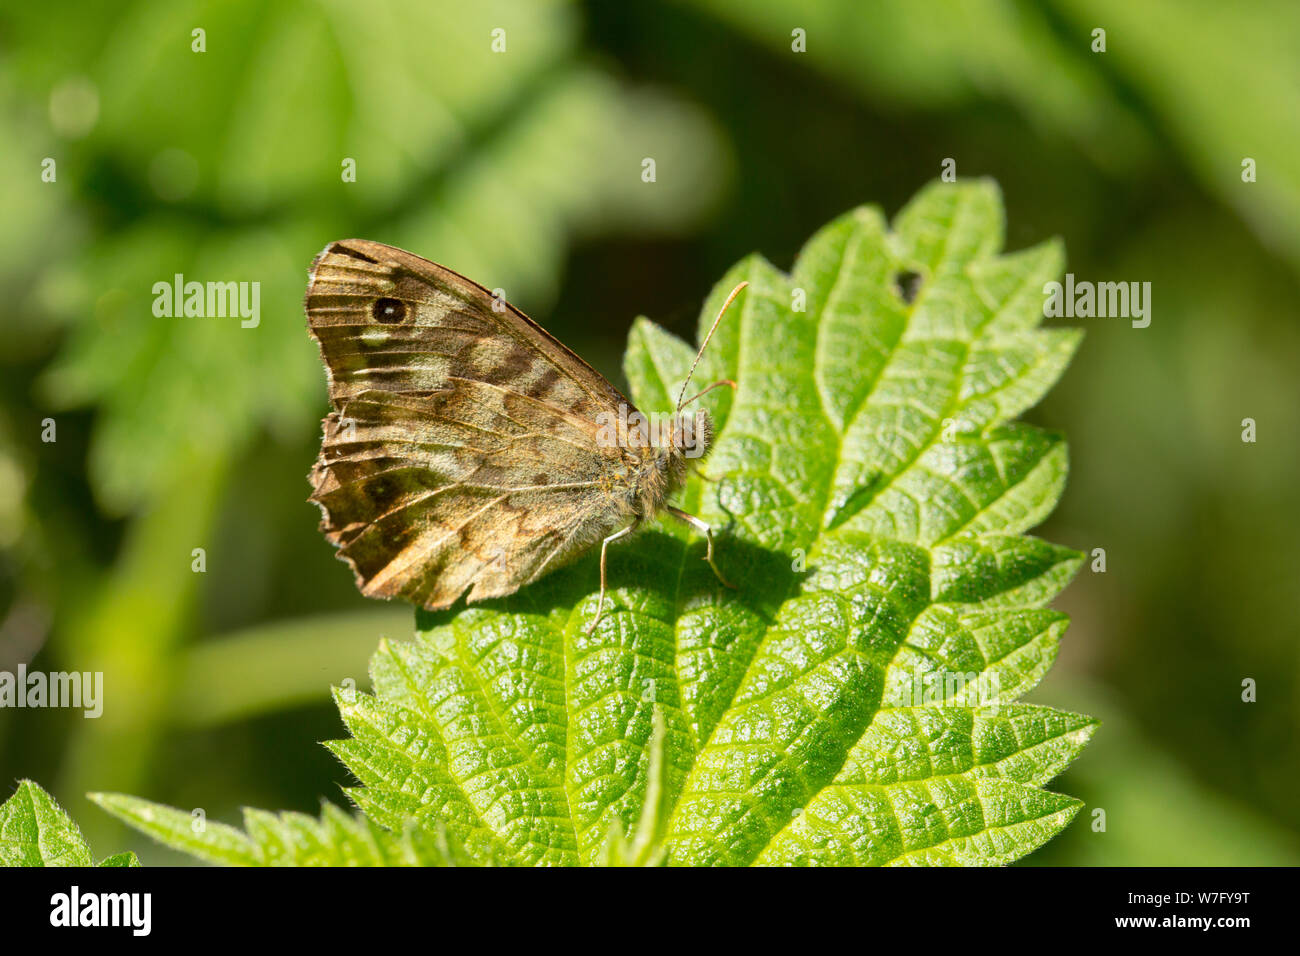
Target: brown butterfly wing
[
  {"x": 449, "y": 327},
  {"x": 463, "y": 448}
]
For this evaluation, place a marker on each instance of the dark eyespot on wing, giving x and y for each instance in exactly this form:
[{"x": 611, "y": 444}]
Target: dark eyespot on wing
[{"x": 389, "y": 311}]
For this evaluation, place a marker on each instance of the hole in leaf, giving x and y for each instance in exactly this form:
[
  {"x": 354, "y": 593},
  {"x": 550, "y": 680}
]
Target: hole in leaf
[{"x": 907, "y": 284}]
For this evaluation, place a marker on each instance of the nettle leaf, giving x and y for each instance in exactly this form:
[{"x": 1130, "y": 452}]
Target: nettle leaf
[
  {"x": 853, "y": 701},
  {"x": 289, "y": 839},
  {"x": 35, "y": 831}
]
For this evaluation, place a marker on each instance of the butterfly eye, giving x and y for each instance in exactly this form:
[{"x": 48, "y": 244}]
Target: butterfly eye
[{"x": 388, "y": 311}]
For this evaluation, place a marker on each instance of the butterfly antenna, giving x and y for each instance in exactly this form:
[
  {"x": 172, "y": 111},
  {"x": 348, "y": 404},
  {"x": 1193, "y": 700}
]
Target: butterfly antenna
[
  {"x": 705, "y": 344},
  {"x": 698, "y": 395}
]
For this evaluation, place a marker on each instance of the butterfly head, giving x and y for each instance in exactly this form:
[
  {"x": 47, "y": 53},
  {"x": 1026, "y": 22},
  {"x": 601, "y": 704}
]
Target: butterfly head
[
  {"x": 692, "y": 433},
  {"x": 688, "y": 437}
]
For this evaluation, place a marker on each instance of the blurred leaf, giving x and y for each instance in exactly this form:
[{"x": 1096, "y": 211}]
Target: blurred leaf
[
  {"x": 286, "y": 90},
  {"x": 38, "y": 215},
  {"x": 287, "y": 839},
  {"x": 263, "y": 668},
  {"x": 1202, "y": 547},
  {"x": 172, "y": 390},
  {"x": 1156, "y": 813},
  {"x": 1224, "y": 80},
  {"x": 571, "y": 164},
  {"x": 1221, "y": 79},
  {"x": 128, "y": 625},
  {"x": 951, "y": 53},
  {"x": 34, "y": 831}
]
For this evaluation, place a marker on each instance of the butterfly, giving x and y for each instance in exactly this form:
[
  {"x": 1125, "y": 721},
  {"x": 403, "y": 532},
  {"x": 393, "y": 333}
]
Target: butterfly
[{"x": 467, "y": 448}]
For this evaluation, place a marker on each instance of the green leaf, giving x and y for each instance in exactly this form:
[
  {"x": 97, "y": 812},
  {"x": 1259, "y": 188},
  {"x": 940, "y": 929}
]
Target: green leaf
[
  {"x": 35, "y": 831},
  {"x": 853, "y": 700},
  {"x": 120, "y": 859},
  {"x": 335, "y": 838}
]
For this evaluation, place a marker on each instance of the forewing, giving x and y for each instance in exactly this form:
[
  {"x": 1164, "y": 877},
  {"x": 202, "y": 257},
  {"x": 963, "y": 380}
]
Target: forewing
[{"x": 445, "y": 326}]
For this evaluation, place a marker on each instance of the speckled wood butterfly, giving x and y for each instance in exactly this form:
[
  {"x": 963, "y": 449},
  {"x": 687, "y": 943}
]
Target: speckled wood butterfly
[{"x": 467, "y": 448}]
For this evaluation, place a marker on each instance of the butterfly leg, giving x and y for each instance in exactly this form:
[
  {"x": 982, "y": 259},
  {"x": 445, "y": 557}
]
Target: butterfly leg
[
  {"x": 704, "y": 529},
  {"x": 604, "y": 546}
]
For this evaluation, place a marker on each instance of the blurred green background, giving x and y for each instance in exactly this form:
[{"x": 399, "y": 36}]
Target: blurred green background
[{"x": 522, "y": 169}]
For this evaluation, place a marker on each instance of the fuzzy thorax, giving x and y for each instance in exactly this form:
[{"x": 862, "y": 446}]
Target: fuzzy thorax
[{"x": 689, "y": 440}]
